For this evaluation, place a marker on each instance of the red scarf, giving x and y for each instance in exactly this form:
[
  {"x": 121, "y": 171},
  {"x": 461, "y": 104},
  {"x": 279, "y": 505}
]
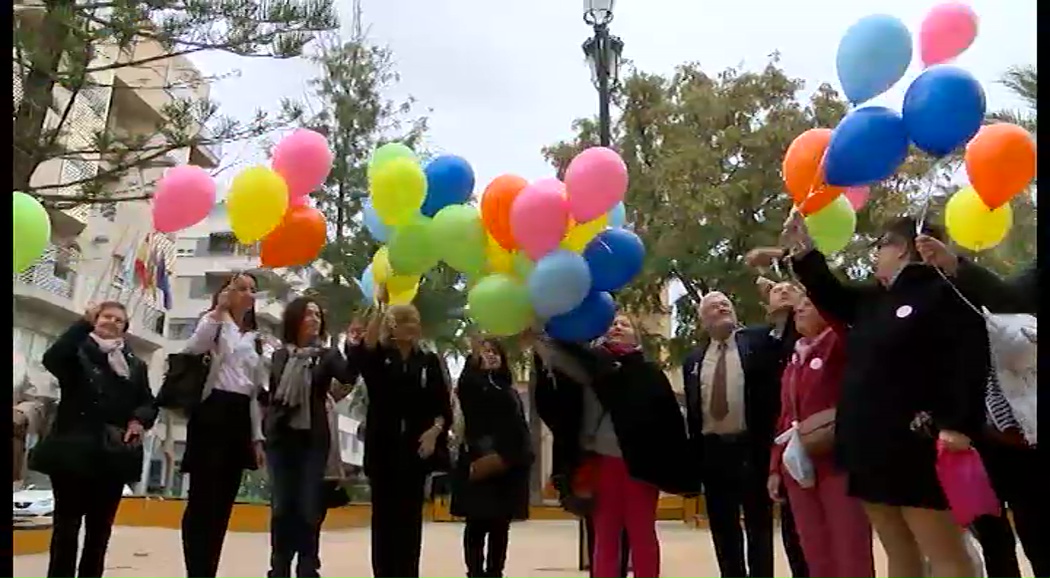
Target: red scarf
[{"x": 620, "y": 349}]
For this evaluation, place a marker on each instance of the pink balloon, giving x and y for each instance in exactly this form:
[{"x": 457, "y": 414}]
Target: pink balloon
[
  {"x": 946, "y": 32},
  {"x": 184, "y": 197},
  {"x": 304, "y": 160},
  {"x": 539, "y": 217},
  {"x": 594, "y": 182},
  {"x": 301, "y": 201},
  {"x": 857, "y": 196}
]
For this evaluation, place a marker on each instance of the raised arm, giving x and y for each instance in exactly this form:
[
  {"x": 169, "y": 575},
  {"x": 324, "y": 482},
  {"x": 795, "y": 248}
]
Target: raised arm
[
  {"x": 61, "y": 358},
  {"x": 1014, "y": 295},
  {"x": 206, "y": 334}
]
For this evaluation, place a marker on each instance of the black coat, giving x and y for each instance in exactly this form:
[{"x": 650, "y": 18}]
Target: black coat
[
  {"x": 645, "y": 415},
  {"x": 328, "y": 365},
  {"x": 404, "y": 399},
  {"x": 913, "y": 347},
  {"x": 95, "y": 408},
  {"x": 494, "y": 422},
  {"x": 762, "y": 357},
  {"x": 1018, "y": 294}
]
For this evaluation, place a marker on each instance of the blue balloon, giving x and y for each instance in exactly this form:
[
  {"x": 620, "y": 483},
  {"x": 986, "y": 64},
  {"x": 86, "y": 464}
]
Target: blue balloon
[
  {"x": 589, "y": 320},
  {"x": 873, "y": 55},
  {"x": 866, "y": 147},
  {"x": 558, "y": 283},
  {"x": 450, "y": 181},
  {"x": 367, "y": 285},
  {"x": 376, "y": 227},
  {"x": 943, "y": 108},
  {"x": 615, "y": 256},
  {"x": 618, "y": 216}
]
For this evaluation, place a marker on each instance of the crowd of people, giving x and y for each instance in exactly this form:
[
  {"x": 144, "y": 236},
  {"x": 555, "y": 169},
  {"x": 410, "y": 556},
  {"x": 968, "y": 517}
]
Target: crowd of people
[{"x": 831, "y": 412}]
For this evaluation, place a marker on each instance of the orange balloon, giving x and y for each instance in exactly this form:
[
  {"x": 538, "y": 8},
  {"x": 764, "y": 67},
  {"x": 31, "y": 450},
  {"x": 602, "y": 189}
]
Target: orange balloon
[
  {"x": 1000, "y": 161},
  {"x": 296, "y": 241},
  {"x": 495, "y": 208},
  {"x": 803, "y": 170}
]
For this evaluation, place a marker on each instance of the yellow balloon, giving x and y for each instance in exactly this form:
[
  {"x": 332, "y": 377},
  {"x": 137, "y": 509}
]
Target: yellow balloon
[
  {"x": 398, "y": 188},
  {"x": 971, "y": 224},
  {"x": 499, "y": 260},
  {"x": 402, "y": 289},
  {"x": 581, "y": 233},
  {"x": 256, "y": 203},
  {"x": 381, "y": 270}
]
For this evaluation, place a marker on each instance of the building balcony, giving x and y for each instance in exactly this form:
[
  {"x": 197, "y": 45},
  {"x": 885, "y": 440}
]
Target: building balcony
[{"x": 52, "y": 277}]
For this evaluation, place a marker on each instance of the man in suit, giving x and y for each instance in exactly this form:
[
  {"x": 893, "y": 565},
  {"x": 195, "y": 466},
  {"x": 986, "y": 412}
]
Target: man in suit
[{"x": 732, "y": 399}]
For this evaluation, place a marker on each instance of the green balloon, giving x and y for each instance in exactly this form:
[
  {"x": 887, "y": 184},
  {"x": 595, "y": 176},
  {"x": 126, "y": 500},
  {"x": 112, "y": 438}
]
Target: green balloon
[
  {"x": 522, "y": 265},
  {"x": 500, "y": 305},
  {"x": 459, "y": 237},
  {"x": 389, "y": 152},
  {"x": 411, "y": 248},
  {"x": 832, "y": 227},
  {"x": 32, "y": 230}
]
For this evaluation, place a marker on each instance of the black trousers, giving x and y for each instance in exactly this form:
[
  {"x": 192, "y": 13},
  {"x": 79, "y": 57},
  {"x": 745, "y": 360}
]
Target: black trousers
[
  {"x": 87, "y": 501},
  {"x": 476, "y": 533},
  {"x": 792, "y": 544},
  {"x": 397, "y": 524},
  {"x": 734, "y": 482},
  {"x": 1013, "y": 472}
]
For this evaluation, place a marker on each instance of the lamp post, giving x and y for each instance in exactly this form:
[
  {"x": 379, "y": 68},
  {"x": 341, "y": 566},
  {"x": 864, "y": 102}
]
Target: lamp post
[{"x": 603, "y": 53}]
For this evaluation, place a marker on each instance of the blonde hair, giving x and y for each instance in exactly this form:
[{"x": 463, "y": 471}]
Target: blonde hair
[{"x": 396, "y": 314}]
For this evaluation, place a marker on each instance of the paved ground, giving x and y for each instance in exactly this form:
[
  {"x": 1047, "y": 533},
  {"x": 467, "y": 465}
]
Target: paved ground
[{"x": 538, "y": 548}]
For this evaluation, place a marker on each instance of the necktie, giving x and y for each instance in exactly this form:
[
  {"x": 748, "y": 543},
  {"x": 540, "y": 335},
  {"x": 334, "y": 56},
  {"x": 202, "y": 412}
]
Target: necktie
[{"x": 719, "y": 399}]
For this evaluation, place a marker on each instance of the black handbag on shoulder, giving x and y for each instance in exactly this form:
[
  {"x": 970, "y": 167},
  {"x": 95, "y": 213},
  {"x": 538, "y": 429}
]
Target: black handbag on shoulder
[{"x": 184, "y": 379}]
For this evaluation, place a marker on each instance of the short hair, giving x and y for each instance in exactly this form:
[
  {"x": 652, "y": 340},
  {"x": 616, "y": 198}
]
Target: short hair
[
  {"x": 905, "y": 229},
  {"x": 292, "y": 319},
  {"x": 116, "y": 305},
  {"x": 393, "y": 313}
]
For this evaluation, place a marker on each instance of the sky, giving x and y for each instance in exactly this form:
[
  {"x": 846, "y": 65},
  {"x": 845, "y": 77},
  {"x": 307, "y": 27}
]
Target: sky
[{"x": 501, "y": 80}]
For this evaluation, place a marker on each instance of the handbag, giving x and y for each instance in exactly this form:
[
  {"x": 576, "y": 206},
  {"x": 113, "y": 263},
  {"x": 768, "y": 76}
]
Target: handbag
[
  {"x": 184, "y": 379},
  {"x": 487, "y": 466},
  {"x": 817, "y": 432}
]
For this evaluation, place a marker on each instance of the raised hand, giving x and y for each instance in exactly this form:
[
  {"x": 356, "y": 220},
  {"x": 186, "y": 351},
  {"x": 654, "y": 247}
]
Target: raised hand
[{"x": 91, "y": 313}]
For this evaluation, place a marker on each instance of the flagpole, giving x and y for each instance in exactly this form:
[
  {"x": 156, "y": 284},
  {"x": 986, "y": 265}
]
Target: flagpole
[{"x": 108, "y": 271}]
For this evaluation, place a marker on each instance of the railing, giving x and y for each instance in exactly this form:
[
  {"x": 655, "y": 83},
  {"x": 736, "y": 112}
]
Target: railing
[
  {"x": 143, "y": 313},
  {"x": 54, "y": 272}
]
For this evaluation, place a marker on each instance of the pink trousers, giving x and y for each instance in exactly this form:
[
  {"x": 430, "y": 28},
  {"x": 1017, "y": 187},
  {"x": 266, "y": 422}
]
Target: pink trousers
[
  {"x": 832, "y": 527},
  {"x": 623, "y": 502}
]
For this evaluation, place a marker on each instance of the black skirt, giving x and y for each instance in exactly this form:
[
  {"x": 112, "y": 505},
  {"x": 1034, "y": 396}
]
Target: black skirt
[
  {"x": 219, "y": 433},
  {"x": 502, "y": 497}
]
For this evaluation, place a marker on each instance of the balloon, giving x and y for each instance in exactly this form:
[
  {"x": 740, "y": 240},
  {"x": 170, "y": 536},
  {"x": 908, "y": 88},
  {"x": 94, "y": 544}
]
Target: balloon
[
  {"x": 411, "y": 249},
  {"x": 521, "y": 266},
  {"x": 387, "y": 153},
  {"x": 866, "y": 147},
  {"x": 590, "y": 320},
  {"x": 398, "y": 189},
  {"x": 184, "y": 197},
  {"x": 972, "y": 225},
  {"x": 459, "y": 238},
  {"x": 1000, "y": 161},
  {"x": 946, "y": 32},
  {"x": 857, "y": 197},
  {"x": 558, "y": 283},
  {"x": 496, "y": 202},
  {"x": 943, "y": 108},
  {"x": 296, "y": 241},
  {"x": 832, "y": 227},
  {"x": 497, "y": 259},
  {"x": 539, "y": 217},
  {"x": 32, "y": 230},
  {"x": 376, "y": 227},
  {"x": 381, "y": 270},
  {"x": 615, "y": 256},
  {"x": 450, "y": 181},
  {"x": 500, "y": 305},
  {"x": 618, "y": 216},
  {"x": 402, "y": 289},
  {"x": 594, "y": 182},
  {"x": 581, "y": 233},
  {"x": 256, "y": 203},
  {"x": 367, "y": 285},
  {"x": 873, "y": 55},
  {"x": 803, "y": 170},
  {"x": 304, "y": 160},
  {"x": 303, "y": 201}
]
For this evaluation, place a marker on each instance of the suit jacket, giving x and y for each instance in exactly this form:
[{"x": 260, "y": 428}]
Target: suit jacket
[
  {"x": 1018, "y": 294},
  {"x": 762, "y": 356}
]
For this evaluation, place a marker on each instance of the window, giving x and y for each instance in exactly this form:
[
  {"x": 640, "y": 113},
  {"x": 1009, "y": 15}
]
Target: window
[
  {"x": 222, "y": 244},
  {"x": 179, "y": 329},
  {"x": 108, "y": 211},
  {"x": 184, "y": 251}
]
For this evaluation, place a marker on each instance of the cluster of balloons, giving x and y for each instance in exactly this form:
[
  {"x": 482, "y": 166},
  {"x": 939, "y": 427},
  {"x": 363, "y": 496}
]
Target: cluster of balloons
[
  {"x": 32, "y": 230},
  {"x": 827, "y": 172},
  {"x": 271, "y": 204},
  {"x": 547, "y": 250}
]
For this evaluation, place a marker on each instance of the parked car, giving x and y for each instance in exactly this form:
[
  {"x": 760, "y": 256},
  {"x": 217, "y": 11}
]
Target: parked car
[{"x": 36, "y": 500}]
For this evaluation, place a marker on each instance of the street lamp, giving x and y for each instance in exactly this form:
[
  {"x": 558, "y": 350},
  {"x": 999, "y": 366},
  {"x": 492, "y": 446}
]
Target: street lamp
[{"x": 603, "y": 53}]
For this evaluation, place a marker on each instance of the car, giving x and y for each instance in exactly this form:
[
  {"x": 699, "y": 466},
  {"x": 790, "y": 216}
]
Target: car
[{"x": 37, "y": 500}]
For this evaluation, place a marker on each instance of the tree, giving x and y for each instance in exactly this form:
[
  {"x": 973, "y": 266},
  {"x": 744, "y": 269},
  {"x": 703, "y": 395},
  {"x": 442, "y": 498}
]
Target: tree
[
  {"x": 64, "y": 49},
  {"x": 704, "y": 154}
]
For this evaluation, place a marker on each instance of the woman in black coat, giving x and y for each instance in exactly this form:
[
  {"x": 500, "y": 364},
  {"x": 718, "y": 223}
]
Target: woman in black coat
[
  {"x": 491, "y": 485},
  {"x": 95, "y": 446},
  {"x": 918, "y": 363}
]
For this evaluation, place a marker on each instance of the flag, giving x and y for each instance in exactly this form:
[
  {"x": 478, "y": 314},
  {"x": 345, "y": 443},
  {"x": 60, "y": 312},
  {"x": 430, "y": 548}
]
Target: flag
[
  {"x": 128, "y": 271},
  {"x": 150, "y": 282},
  {"x": 163, "y": 282},
  {"x": 141, "y": 256}
]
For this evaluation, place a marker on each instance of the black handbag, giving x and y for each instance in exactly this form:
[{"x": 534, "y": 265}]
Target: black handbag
[{"x": 184, "y": 379}]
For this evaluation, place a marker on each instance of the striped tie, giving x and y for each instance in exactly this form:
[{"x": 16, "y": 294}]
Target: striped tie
[{"x": 1000, "y": 414}]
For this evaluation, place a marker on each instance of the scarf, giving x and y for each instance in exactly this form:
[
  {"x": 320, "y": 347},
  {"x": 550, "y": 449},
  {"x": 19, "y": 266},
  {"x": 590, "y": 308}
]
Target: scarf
[
  {"x": 620, "y": 349},
  {"x": 293, "y": 391},
  {"x": 805, "y": 344},
  {"x": 114, "y": 350}
]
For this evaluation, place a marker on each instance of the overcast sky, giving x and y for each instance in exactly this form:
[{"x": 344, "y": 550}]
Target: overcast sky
[{"x": 504, "y": 79}]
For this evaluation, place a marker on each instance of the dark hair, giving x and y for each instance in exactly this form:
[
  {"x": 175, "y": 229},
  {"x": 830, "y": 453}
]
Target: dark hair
[
  {"x": 292, "y": 319},
  {"x": 249, "y": 322},
  {"x": 504, "y": 368},
  {"x": 903, "y": 230},
  {"x": 116, "y": 305}
]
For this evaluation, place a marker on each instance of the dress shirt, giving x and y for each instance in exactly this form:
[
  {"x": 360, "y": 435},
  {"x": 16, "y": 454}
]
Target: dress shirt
[{"x": 733, "y": 422}]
